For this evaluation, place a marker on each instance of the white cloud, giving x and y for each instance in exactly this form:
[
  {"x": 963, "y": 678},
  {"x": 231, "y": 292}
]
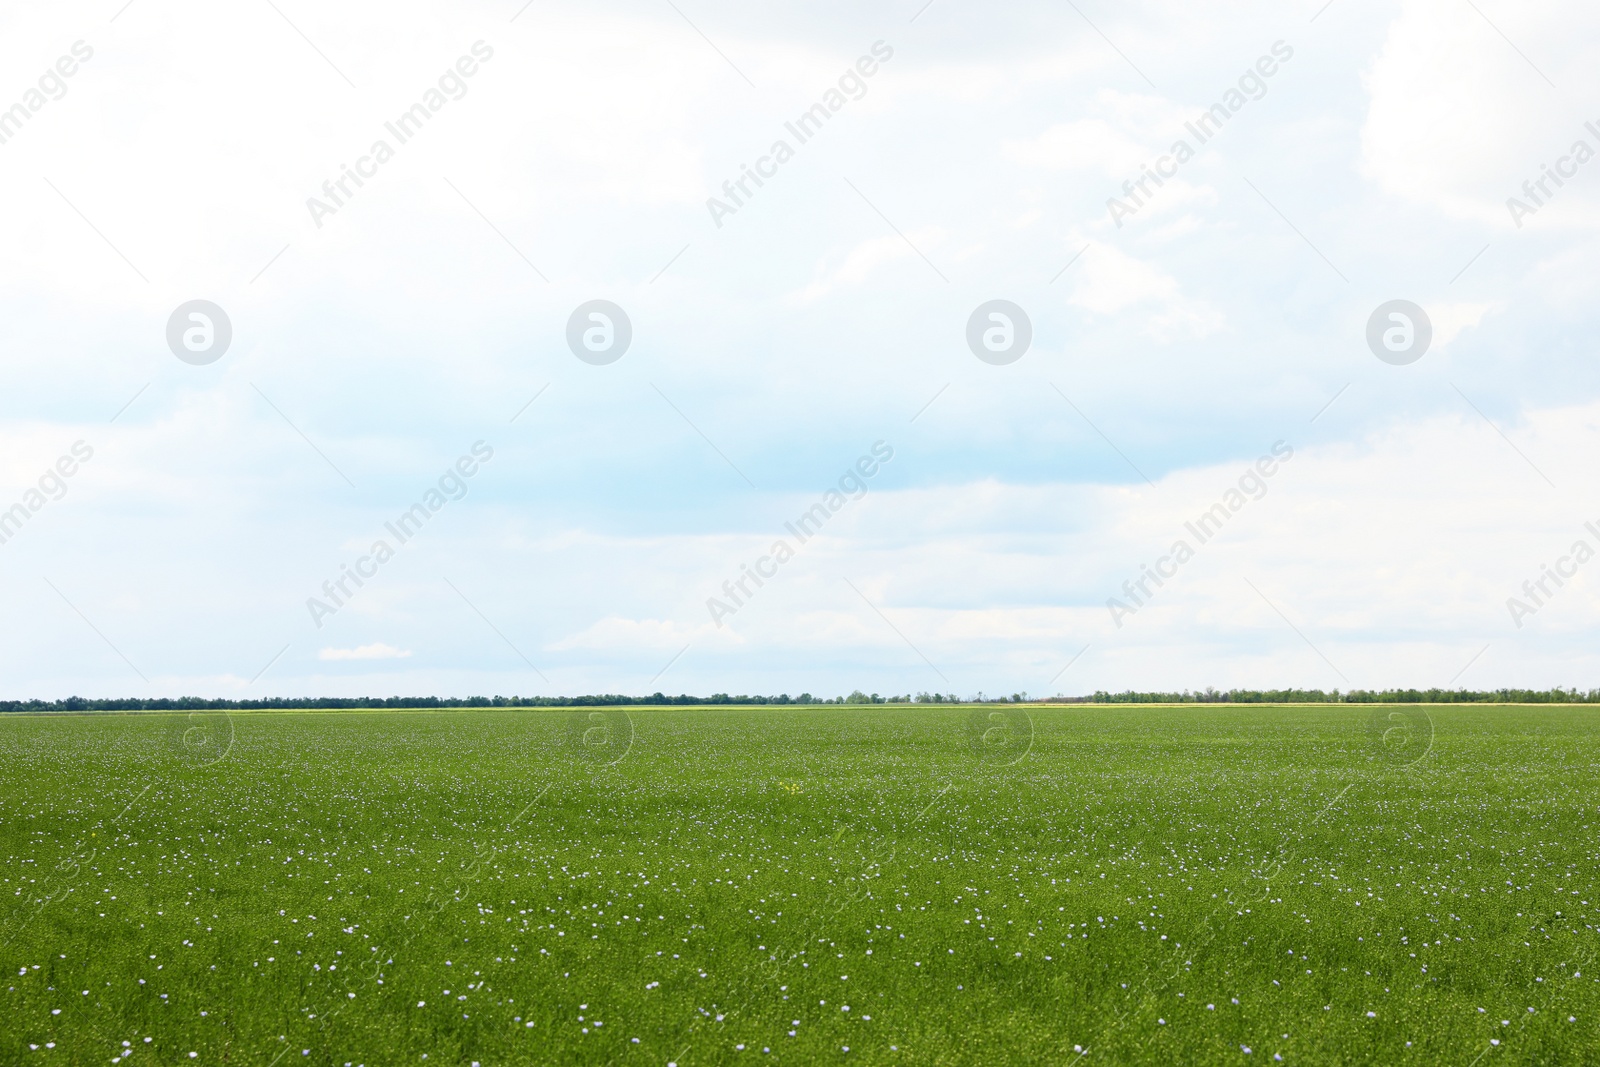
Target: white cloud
[
  {"x": 1458, "y": 119},
  {"x": 866, "y": 258},
  {"x": 1112, "y": 282},
  {"x": 1085, "y": 144},
  {"x": 411, "y": 325},
  {"x": 615, "y": 633},
  {"x": 377, "y": 650},
  {"x": 1429, "y": 526},
  {"x": 1122, "y": 135},
  {"x": 1449, "y": 320}
]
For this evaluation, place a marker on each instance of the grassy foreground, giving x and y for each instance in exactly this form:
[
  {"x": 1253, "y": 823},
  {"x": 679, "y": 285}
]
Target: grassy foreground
[{"x": 1197, "y": 884}]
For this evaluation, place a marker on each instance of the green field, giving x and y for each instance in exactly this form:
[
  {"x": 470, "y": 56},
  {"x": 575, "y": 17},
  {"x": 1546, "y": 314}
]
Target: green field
[{"x": 918, "y": 885}]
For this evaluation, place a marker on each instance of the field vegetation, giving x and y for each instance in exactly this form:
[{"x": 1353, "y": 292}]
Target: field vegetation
[{"x": 1205, "y": 883}]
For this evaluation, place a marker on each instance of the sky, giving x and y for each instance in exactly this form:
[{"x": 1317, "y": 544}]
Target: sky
[{"x": 1199, "y": 218}]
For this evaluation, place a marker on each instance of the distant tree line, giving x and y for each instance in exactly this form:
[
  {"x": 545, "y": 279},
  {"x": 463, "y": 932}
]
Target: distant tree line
[
  {"x": 1354, "y": 696},
  {"x": 1208, "y": 696},
  {"x": 358, "y": 703}
]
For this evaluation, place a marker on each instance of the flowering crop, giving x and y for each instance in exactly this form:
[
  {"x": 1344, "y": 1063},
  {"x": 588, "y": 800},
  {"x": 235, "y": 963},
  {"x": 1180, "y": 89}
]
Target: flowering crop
[{"x": 1198, "y": 884}]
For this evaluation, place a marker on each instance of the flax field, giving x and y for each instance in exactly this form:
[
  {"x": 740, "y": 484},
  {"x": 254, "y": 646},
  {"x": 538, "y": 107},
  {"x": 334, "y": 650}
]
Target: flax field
[{"x": 1029, "y": 884}]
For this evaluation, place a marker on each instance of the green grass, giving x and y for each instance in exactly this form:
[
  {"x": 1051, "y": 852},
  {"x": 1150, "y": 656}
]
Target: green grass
[{"x": 1150, "y": 884}]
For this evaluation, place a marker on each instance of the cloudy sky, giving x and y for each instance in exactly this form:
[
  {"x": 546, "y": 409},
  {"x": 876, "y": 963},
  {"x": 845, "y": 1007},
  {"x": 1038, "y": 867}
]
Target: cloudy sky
[{"x": 565, "y": 153}]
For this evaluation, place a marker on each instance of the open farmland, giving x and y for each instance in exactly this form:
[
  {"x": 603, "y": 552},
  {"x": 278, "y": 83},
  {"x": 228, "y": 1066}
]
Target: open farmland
[{"x": 1196, "y": 884}]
